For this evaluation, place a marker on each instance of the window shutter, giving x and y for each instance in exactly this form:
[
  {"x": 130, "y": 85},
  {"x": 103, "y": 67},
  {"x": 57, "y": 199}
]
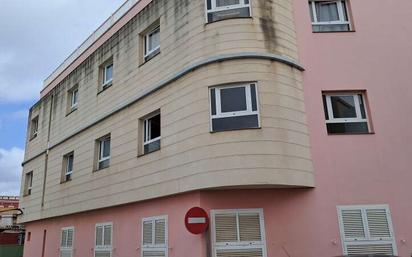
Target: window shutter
[
  {"x": 249, "y": 227},
  {"x": 69, "y": 238},
  {"x": 64, "y": 238},
  {"x": 147, "y": 232},
  {"x": 99, "y": 236},
  {"x": 353, "y": 224},
  {"x": 378, "y": 223},
  {"x": 361, "y": 249},
  {"x": 102, "y": 253},
  {"x": 154, "y": 254},
  {"x": 226, "y": 227},
  {"x": 240, "y": 253},
  {"x": 160, "y": 231},
  {"x": 107, "y": 235}
]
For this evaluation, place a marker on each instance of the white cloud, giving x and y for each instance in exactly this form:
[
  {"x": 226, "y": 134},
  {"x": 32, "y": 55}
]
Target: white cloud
[{"x": 10, "y": 170}]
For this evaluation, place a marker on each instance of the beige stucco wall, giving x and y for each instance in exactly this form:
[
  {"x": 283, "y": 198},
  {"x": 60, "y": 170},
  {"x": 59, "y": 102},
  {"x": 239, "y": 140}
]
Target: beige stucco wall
[{"x": 191, "y": 157}]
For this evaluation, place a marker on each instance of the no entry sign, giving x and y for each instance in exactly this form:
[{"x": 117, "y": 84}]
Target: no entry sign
[{"x": 196, "y": 220}]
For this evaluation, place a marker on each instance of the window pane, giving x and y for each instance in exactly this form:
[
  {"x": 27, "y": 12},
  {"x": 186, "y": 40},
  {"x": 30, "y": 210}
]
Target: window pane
[
  {"x": 325, "y": 108},
  {"x": 220, "y": 3},
  {"x": 362, "y": 106},
  {"x": 107, "y": 235},
  {"x": 154, "y": 127},
  {"x": 233, "y": 99},
  {"x": 327, "y": 11},
  {"x": 253, "y": 96},
  {"x": 237, "y": 122},
  {"x": 108, "y": 73},
  {"x": 106, "y": 147},
  {"x": 228, "y": 14},
  {"x": 153, "y": 146},
  {"x": 69, "y": 164},
  {"x": 99, "y": 236},
  {"x": 154, "y": 40},
  {"x": 343, "y": 106},
  {"x": 213, "y": 101}
]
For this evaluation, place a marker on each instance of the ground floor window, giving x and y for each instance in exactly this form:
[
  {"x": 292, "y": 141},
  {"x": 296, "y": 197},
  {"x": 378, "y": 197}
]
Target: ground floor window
[
  {"x": 238, "y": 233},
  {"x": 103, "y": 247},
  {"x": 366, "y": 229},
  {"x": 154, "y": 237},
  {"x": 66, "y": 242}
]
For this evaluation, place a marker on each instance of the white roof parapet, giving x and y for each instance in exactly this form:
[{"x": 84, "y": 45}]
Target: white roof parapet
[{"x": 117, "y": 15}]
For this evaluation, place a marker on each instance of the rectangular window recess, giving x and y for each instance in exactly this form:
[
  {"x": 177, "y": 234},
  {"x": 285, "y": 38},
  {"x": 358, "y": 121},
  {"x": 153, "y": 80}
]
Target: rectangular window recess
[
  {"x": 329, "y": 16},
  {"x": 217, "y": 10}
]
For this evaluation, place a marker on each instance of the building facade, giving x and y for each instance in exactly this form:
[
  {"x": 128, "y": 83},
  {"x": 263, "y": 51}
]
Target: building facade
[{"x": 272, "y": 116}]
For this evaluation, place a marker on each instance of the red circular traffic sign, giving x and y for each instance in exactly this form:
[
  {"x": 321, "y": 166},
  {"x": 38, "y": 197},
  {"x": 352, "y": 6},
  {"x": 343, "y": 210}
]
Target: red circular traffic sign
[{"x": 196, "y": 220}]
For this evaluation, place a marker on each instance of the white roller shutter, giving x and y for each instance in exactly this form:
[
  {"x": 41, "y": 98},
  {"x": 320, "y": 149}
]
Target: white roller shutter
[{"x": 154, "y": 237}]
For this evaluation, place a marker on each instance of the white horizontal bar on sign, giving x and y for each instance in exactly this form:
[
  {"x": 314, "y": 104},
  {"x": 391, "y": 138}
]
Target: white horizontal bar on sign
[{"x": 197, "y": 220}]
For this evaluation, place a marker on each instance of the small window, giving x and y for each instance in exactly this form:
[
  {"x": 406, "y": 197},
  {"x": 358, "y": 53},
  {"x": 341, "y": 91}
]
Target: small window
[
  {"x": 345, "y": 113},
  {"x": 366, "y": 230},
  {"x": 73, "y": 98},
  {"x": 154, "y": 237},
  {"x": 103, "y": 246},
  {"x": 152, "y": 43},
  {"x": 152, "y": 133},
  {"x": 28, "y": 236},
  {"x": 66, "y": 242},
  {"x": 225, "y": 9},
  {"x": 234, "y": 107},
  {"x": 34, "y": 127},
  {"x": 68, "y": 161},
  {"x": 238, "y": 233},
  {"x": 103, "y": 152},
  {"x": 329, "y": 16},
  {"x": 28, "y": 183},
  {"x": 106, "y": 74}
]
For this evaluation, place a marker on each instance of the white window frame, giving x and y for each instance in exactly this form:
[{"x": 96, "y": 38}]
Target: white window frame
[
  {"x": 29, "y": 182},
  {"x": 34, "y": 129},
  {"x": 103, "y": 247},
  {"x": 340, "y": 6},
  {"x": 240, "y": 245},
  {"x": 148, "y": 52},
  {"x": 61, "y": 239},
  {"x": 248, "y": 111},
  {"x": 214, "y": 8},
  {"x": 155, "y": 247},
  {"x": 101, "y": 149},
  {"x": 74, "y": 95},
  {"x": 105, "y": 68},
  {"x": 368, "y": 240},
  {"x": 67, "y": 171},
  {"x": 146, "y": 130},
  {"x": 355, "y": 96}
]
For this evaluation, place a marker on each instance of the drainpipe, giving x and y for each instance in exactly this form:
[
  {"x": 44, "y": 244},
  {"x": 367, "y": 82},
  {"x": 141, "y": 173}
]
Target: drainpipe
[{"x": 46, "y": 159}]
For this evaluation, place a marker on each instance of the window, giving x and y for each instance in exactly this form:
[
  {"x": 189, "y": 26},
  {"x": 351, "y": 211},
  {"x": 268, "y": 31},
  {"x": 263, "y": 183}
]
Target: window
[
  {"x": 152, "y": 43},
  {"x": 238, "y": 233},
  {"x": 329, "y": 16},
  {"x": 28, "y": 183},
  {"x": 345, "y": 113},
  {"x": 103, "y": 152},
  {"x": 34, "y": 127},
  {"x": 106, "y": 74},
  {"x": 217, "y": 10},
  {"x": 68, "y": 161},
  {"x": 366, "y": 230},
  {"x": 154, "y": 237},
  {"x": 152, "y": 134},
  {"x": 73, "y": 98},
  {"x": 234, "y": 107},
  {"x": 103, "y": 246},
  {"x": 66, "y": 242}
]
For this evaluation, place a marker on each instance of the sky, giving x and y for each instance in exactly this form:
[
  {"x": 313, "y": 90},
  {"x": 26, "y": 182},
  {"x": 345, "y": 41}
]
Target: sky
[{"x": 36, "y": 36}]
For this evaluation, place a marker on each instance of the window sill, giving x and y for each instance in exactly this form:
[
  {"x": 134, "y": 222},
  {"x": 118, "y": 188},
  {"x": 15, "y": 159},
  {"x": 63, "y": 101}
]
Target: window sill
[
  {"x": 66, "y": 181},
  {"x": 237, "y": 129},
  {"x": 33, "y": 137},
  {"x": 104, "y": 88},
  {"x": 148, "y": 60},
  {"x": 25, "y": 195},
  {"x": 144, "y": 154},
  {"x": 329, "y": 32},
  {"x": 97, "y": 170},
  {"x": 351, "y": 134},
  {"x": 71, "y": 111},
  {"x": 233, "y": 18}
]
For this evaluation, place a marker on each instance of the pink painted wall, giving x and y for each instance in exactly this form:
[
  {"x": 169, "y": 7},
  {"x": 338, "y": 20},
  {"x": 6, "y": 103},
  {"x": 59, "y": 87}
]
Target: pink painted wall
[{"x": 362, "y": 169}]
